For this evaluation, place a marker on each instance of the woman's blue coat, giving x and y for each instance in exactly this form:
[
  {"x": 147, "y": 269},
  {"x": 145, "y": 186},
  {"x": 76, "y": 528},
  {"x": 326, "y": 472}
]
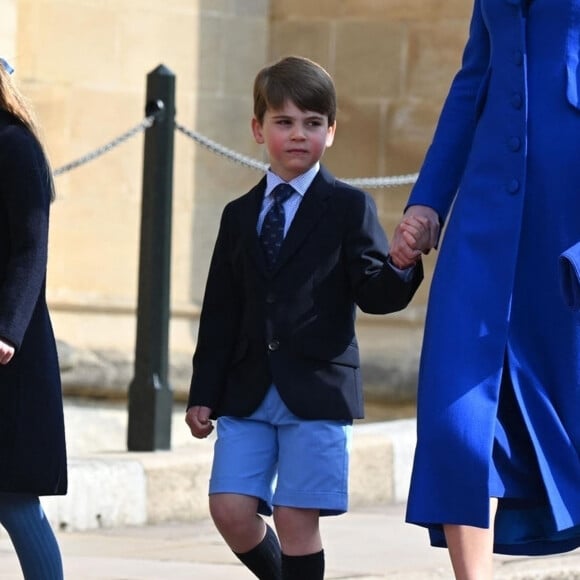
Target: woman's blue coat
[{"x": 506, "y": 155}]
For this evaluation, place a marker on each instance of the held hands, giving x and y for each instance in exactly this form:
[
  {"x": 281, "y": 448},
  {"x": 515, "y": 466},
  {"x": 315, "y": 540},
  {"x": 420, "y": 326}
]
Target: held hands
[
  {"x": 6, "y": 352},
  {"x": 416, "y": 234},
  {"x": 197, "y": 418}
]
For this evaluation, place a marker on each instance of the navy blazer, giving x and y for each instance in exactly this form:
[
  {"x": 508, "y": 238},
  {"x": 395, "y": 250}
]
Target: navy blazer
[
  {"x": 32, "y": 442},
  {"x": 294, "y": 326}
]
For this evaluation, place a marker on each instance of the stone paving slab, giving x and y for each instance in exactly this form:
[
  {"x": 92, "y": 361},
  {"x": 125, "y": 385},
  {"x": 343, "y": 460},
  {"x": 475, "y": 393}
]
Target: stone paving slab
[
  {"x": 143, "y": 516},
  {"x": 366, "y": 544}
]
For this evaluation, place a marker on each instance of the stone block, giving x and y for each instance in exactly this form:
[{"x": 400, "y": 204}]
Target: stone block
[
  {"x": 369, "y": 57},
  {"x": 311, "y": 39},
  {"x": 405, "y": 10},
  {"x": 163, "y": 37},
  {"x": 371, "y": 471},
  {"x": 401, "y": 437},
  {"x": 410, "y": 127},
  {"x": 358, "y": 131},
  {"x": 77, "y": 44},
  {"x": 434, "y": 57},
  {"x": 184, "y": 495},
  {"x": 8, "y": 27},
  {"x": 249, "y": 8},
  {"x": 304, "y": 10},
  {"x": 102, "y": 493},
  {"x": 246, "y": 51}
]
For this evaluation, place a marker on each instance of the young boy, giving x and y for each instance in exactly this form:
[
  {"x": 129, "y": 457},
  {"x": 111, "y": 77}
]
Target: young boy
[{"x": 277, "y": 360}]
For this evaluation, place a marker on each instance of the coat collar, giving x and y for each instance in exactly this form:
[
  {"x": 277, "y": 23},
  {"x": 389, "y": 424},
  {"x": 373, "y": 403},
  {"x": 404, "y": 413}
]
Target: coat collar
[{"x": 7, "y": 118}]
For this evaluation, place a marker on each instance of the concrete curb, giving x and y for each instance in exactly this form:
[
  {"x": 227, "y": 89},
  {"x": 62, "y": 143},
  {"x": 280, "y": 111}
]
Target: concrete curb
[
  {"x": 120, "y": 489},
  {"x": 112, "y": 489}
]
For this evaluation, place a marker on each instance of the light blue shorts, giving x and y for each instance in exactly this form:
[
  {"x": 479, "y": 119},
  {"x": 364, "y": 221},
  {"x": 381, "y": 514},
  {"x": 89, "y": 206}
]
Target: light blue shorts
[{"x": 283, "y": 460}]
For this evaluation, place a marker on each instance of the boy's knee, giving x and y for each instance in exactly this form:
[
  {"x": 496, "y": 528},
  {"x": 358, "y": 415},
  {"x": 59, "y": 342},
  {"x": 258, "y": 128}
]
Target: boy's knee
[
  {"x": 231, "y": 511},
  {"x": 297, "y": 526}
]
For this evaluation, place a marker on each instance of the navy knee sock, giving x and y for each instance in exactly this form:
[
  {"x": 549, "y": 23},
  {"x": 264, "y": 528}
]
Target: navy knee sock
[
  {"x": 308, "y": 567},
  {"x": 32, "y": 537},
  {"x": 265, "y": 559}
]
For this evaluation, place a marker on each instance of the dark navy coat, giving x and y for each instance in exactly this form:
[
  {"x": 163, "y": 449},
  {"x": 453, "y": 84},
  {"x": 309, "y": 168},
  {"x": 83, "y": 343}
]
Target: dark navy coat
[
  {"x": 32, "y": 442},
  {"x": 506, "y": 152}
]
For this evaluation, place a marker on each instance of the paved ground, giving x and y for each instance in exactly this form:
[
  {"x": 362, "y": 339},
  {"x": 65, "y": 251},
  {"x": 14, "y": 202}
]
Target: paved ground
[{"x": 367, "y": 544}]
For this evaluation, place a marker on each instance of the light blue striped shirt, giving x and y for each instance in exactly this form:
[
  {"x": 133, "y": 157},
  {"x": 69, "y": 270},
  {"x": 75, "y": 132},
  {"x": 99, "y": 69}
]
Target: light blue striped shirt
[{"x": 291, "y": 205}]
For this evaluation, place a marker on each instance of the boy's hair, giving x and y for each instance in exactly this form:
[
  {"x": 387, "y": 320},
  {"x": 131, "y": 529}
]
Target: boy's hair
[{"x": 296, "y": 79}]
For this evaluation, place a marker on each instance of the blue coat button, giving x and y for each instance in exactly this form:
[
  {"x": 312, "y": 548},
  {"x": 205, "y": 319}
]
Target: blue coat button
[
  {"x": 518, "y": 57},
  {"x": 514, "y": 143},
  {"x": 516, "y": 101},
  {"x": 513, "y": 186}
]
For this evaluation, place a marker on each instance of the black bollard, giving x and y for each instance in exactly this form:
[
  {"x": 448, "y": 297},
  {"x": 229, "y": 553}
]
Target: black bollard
[{"x": 150, "y": 395}]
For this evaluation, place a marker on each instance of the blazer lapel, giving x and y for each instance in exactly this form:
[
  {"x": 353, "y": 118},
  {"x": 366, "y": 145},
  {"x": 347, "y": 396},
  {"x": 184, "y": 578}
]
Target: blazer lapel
[
  {"x": 249, "y": 220},
  {"x": 312, "y": 208}
]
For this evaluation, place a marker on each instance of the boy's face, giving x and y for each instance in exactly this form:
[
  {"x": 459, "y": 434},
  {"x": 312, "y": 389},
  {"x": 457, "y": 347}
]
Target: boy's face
[{"x": 295, "y": 139}]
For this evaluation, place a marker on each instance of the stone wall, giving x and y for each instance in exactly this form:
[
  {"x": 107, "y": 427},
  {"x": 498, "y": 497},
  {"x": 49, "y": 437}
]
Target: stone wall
[{"x": 83, "y": 64}]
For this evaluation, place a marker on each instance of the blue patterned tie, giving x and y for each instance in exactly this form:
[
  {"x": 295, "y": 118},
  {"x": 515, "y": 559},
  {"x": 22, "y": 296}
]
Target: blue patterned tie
[{"x": 272, "y": 234}]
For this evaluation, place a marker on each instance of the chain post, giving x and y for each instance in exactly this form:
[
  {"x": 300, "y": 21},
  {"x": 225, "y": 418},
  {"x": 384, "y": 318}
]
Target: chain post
[{"x": 150, "y": 395}]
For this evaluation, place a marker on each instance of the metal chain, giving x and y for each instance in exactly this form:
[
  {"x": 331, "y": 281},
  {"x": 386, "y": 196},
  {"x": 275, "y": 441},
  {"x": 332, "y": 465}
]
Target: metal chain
[
  {"x": 364, "y": 182},
  {"x": 221, "y": 150},
  {"x": 142, "y": 126},
  {"x": 379, "y": 182},
  {"x": 213, "y": 146}
]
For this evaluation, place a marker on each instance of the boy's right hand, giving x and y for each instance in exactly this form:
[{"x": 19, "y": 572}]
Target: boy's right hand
[{"x": 198, "y": 420}]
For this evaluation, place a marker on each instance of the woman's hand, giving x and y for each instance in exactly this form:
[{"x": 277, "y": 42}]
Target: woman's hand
[
  {"x": 198, "y": 420},
  {"x": 6, "y": 352}
]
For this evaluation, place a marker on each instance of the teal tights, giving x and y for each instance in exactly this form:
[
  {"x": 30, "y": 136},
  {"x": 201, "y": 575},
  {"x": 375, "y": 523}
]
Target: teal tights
[{"x": 32, "y": 537}]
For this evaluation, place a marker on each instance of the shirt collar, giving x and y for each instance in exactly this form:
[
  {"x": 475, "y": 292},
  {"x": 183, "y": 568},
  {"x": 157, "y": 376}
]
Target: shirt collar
[{"x": 300, "y": 183}]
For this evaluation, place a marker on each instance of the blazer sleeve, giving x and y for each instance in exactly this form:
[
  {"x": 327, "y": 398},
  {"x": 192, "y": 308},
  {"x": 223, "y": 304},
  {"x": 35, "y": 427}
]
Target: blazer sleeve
[
  {"x": 25, "y": 195},
  {"x": 219, "y": 322},
  {"x": 446, "y": 157},
  {"x": 376, "y": 287}
]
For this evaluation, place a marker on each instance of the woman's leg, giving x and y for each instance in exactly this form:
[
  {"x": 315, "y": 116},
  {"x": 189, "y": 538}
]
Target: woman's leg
[
  {"x": 471, "y": 549},
  {"x": 32, "y": 537}
]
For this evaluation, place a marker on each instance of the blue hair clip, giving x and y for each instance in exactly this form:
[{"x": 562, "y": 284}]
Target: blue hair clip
[{"x": 6, "y": 66}]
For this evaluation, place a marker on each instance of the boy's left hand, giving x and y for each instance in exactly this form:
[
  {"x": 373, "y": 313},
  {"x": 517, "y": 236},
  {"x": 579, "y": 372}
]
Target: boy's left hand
[{"x": 410, "y": 240}]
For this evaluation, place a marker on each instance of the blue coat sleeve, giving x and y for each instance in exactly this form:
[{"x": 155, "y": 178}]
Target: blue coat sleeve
[
  {"x": 25, "y": 199},
  {"x": 445, "y": 160}
]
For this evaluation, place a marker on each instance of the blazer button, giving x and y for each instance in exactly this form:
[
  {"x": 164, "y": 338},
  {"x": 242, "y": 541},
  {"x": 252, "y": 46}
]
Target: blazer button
[
  {"x": 518, "y": 58},
  {"x": 273, "y": 345},
  {"x": 270, "y": 298}
]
